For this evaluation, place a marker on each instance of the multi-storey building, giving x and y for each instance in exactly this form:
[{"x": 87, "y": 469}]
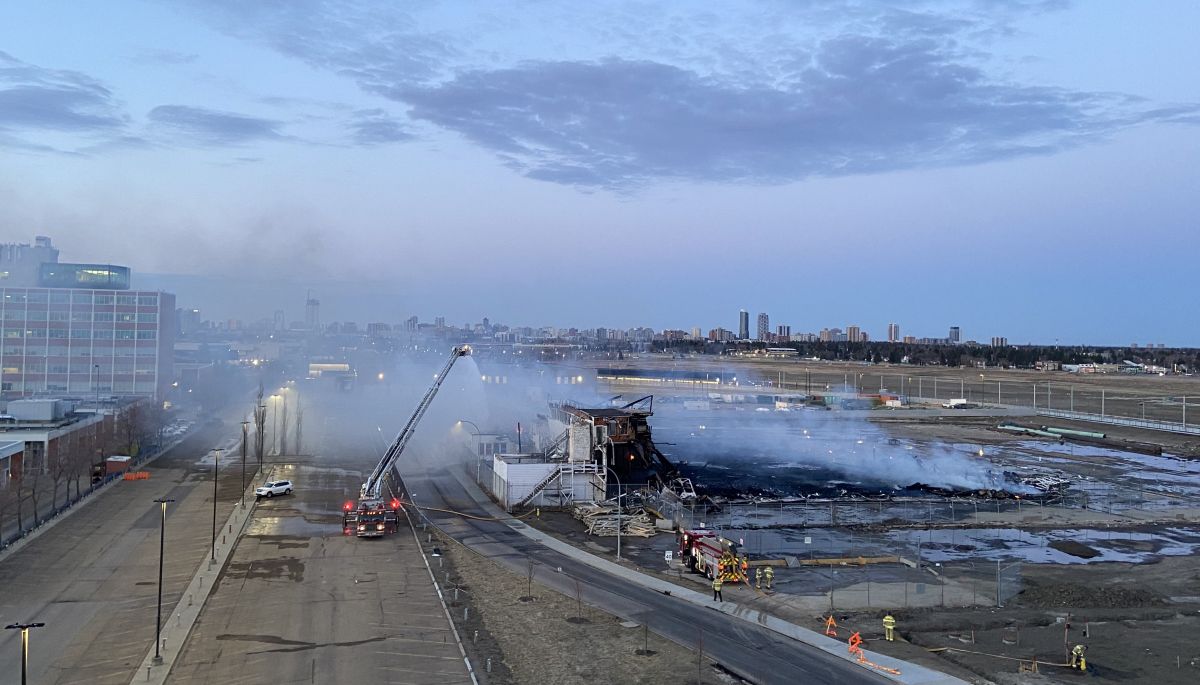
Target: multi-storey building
[
  {"x": 85, "y": 342},
  {"x": 893, "y": 332},
  {"x": 783, "y": 331},
  {"x": 743, "y": 325},
  {"x": 854, "y": 334},
  {"x": 955, "y": 335},
  {"x": 764, "y": 327}
]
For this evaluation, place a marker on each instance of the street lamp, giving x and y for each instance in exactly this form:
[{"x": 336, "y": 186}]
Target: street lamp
[
  {"x": 216, "y": 466},
  {"x": 245, "y": 425},
  {"x": 162, "y": 543},
  {"x": 478, "y": 457},
  {"x": 24, "y": 628},
  {"x": 614, "y": 473}
]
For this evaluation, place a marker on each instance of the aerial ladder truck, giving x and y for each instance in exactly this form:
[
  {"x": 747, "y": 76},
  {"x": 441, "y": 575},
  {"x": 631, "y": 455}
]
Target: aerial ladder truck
[{"x": 371, "y": 515}]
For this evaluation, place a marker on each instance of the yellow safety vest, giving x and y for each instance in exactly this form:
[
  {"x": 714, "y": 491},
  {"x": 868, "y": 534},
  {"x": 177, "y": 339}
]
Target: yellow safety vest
[
  {"x": 889, "y": 622},
  {"x": 716, "y": 583},
  {"x": 770, "y": 572}
]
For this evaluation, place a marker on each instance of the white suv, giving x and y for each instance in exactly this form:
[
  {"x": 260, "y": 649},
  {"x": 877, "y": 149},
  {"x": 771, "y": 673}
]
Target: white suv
[{"x": 274, "y": 487}]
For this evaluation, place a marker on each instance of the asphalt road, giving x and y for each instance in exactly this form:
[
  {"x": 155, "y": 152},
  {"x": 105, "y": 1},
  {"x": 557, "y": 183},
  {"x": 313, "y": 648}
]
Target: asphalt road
[
  {"x": 749, "y": 651},
  {"x": 299, "y": 602}
]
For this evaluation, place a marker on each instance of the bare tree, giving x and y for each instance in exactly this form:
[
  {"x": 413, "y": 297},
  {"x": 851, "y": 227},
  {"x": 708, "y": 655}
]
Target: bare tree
[
  {"x": 260, "y": 426},
  {"x": 8, "y": 503},
  {"x": 299, "y": 421},
  {"x": 283, "y": 425},
  {"x": 58, "y": 465},
  {"x": 29, "y": 487},
  {"x": 131, "y": 426}
]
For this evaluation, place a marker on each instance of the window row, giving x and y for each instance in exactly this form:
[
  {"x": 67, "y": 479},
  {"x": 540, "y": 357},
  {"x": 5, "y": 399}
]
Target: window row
[
  {"x": 80, "y": 334},
  {"x": 64, "y": 297}
]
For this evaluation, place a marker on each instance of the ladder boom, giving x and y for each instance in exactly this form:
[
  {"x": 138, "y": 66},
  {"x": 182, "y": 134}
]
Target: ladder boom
[{"x": 371, "y": 488}]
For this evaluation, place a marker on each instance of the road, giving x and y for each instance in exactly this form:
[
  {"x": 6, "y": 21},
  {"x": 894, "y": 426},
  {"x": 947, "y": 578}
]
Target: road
[
  {"x": 92, "y": 578},
  {"x": 752, "y": 652},
  {"x": 300, "y": 602}
]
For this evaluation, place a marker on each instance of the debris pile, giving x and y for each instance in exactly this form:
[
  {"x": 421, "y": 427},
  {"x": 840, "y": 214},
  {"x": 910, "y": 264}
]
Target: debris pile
[
  {"x": 1082, "y": 595},
  {"x": 602, "y": 520}
]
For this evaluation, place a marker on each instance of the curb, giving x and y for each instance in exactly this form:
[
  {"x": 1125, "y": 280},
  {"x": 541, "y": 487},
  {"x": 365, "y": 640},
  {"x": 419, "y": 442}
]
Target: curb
[
  {"x": 191, "y": 603},
  {"x": 911, "y": 674}
]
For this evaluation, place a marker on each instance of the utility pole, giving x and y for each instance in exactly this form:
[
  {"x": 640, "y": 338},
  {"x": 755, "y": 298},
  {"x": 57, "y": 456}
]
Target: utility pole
[
  {"x": 162, "y": 544},
  {"x": 245, "y": 424},
  {"x": 216, "y": 466}
]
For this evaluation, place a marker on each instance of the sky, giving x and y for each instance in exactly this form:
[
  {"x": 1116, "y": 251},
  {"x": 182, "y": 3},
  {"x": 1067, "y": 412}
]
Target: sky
[{"x": 1019, "y": 168}]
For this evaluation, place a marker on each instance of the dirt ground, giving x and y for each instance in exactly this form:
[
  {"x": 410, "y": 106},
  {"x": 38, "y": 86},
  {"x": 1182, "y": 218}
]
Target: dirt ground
[
  {"x": 1139, "y": 623},
  {"x": 541, "y": 636}
]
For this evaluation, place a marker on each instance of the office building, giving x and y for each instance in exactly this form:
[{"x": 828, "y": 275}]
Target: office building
[
  {"x": 999, "y": 342},
  {"x": 893, "y": 332},
  {"x": 764, "y": 327},
  {"x": 78, "y": 330},
  {"x": 955, "y": 335},
  {"x": 743, "y": 325},
  {"x": 783, "y": 332},
  {"x": 854, "y": 334}
]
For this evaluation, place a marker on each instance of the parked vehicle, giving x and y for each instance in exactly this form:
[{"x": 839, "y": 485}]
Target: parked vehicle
[{"x": 273, "y": 487}]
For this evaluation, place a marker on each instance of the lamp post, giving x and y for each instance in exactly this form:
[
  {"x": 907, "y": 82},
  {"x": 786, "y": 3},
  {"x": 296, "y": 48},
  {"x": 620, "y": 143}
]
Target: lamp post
[
  {"x": 162, "y": 545},
  {"x": 216, "y": 466},
  {"x": 614, "y": 473},
  {"x": 260, "y": 427},
  {"x": 24, "y": 628},
  {"x": 478, "y": 457},
  {"x": 245, "y": 425}
]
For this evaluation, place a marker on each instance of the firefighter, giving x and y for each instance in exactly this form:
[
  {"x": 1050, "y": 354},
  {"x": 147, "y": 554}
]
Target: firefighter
[
  {"x": 717, "y": 590},
  {"x": 770, "y": 575},
  {"x": 1077, "y": 658},
  {"x": 889, "y": 628},
  {"x": 746, "y": 568}
]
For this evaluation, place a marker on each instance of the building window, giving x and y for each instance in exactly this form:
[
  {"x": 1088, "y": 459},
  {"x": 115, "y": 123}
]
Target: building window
[
  {"x": 81, "y": 298},
  {"x": 104, "y": 299},
  {"x": 14, "y": 315},
  {"x": 81, "y": 333},
  {"x": 57, "y": 333},
  {"x": 126, "y": 317},
  {"x": 60, "y": 316},
  {"x": 151, "y": 317},
  {"x": 126, "y": 299},
  {"x": 148, "y": 300},
  {"x": 38, "y": 315},
  {"x": 59, "y": 298},
  {"x": 37, "y": 297},
  {"x": 81, "y": 316},
  {"x": 147, "y": 335},
  {"x": 125, "y": 335},
  {"x": 104, "y": 316}
]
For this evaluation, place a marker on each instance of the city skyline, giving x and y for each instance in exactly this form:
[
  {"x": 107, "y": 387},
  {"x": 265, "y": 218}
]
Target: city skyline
[{"x": 451, "y": 159}]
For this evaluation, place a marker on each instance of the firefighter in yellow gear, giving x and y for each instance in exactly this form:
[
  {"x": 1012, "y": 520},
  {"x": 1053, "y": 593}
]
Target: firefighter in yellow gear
[
  {"x": 1077, "y": 658},
  {"x": 770, "y": 576},
  {"x": 717, "y": 590},
  {"x": 746, "y": 569},
  {"x": 758, "y": 578},
  {"x": 889, "y": 628}
]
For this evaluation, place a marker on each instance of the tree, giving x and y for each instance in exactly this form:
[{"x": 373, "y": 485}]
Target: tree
[
  {"x": 59, "y": 464},
  {"x": 260, "y": 426},
  {"x": 9, "y": 494},
  {"x": 283, "y": 424},
  {"x": 299, "y": 421}
]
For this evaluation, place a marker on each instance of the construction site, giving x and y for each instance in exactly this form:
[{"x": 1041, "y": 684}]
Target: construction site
[{"x": 1000, "y": 536}]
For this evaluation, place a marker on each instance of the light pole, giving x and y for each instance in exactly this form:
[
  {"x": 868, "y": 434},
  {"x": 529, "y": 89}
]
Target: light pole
[
  {"x": 162, "y": 545},
  {"x": 216, "y": 466},
  {"x": 24, "y": 628},
  {"x": 260, "y": 428},
  {"x": 478, "y": 457},
  {"x": 614, "y": 473},
  {"x": 245, "y": 425}
]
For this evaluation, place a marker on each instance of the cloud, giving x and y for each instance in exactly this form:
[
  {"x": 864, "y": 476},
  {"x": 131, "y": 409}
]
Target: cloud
[
  {"x": 33, "y": 97},
  {"x": 793, "y": 92},
  {"x": 864, "y": 105},
  {"x": 213, "y": 127},
  {"x": 375, "y": 127}
]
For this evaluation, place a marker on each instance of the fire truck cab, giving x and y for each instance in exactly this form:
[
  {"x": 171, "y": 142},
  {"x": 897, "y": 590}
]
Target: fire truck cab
[
  {"x": 702, "y": 551},
  {"x": 370, "y": 518}
]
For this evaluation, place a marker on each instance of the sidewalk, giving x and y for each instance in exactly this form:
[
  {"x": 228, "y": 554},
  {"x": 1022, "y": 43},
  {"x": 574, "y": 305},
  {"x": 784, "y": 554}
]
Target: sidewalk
[{"x": 910, "y": 674}]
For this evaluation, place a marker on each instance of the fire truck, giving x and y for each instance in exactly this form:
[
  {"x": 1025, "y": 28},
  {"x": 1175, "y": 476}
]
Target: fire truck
[
  {"x": 710, "y": 555},
  {"x": 375, "y": 515}
]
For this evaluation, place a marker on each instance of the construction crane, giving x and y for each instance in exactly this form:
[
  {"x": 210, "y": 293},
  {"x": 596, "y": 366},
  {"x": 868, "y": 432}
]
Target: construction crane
[{"x": 371, "y": 516}]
